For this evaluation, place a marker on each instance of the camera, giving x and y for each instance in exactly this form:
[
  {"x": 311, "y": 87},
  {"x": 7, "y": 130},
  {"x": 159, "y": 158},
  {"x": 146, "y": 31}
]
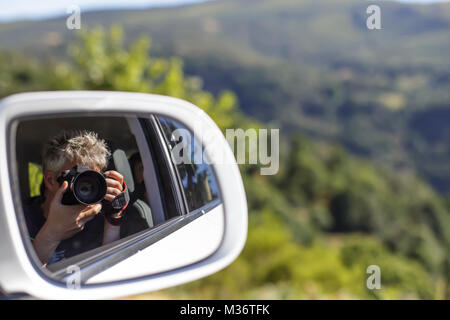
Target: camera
[{"x": 88, "y": 186}]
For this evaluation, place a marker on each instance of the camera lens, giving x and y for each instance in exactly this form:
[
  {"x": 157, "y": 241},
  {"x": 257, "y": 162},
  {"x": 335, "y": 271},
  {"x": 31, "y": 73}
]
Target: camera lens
[{"x": 89, "y": 187}]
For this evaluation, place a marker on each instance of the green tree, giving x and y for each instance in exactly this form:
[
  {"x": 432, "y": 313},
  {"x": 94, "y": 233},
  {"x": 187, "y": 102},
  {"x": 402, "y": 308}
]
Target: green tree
[{"x": 312, "y": 227}]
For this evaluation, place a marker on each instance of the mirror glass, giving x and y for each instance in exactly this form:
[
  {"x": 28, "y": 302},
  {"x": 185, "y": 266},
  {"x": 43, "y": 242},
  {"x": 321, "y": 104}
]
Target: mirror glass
[{"x": 103, "y": 197}]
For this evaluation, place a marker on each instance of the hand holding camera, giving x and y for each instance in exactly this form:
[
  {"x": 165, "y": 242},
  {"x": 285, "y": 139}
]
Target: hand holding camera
[
  {"x": 64, "y": 221},
  {"x": 82, "y": 195},
  {"x": 88, "y": 187}
]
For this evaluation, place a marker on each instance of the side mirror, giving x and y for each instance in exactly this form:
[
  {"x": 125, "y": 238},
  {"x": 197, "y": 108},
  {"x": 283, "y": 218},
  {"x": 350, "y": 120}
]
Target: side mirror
[{"x": 185, "y": 215}]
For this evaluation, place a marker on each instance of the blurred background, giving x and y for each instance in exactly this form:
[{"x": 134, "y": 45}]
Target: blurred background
[{"x": 364, "y": 119}]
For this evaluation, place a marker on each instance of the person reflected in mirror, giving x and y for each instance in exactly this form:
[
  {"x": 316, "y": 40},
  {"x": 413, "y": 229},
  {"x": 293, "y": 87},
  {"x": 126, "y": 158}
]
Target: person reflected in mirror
[
  {"x": 137, "y": 168},
  {"x": 61, "y": 231}
]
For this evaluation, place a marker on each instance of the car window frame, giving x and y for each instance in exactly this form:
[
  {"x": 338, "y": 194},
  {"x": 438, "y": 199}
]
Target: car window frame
[
  {"x": 156, "y": 138},
  {"x": 205, "y": 207}
]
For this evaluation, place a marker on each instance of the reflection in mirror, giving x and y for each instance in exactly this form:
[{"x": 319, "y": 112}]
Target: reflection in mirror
[
  {"x": 98, "y": 189},
  {"x": 199, "y": 183}
]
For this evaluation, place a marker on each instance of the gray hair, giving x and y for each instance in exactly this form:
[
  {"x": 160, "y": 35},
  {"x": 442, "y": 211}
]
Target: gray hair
[{"x": 82, "y": 147}]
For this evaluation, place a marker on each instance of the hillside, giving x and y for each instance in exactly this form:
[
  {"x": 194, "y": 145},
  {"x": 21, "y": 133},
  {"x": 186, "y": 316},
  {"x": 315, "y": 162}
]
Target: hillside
[
  {"x": 298, "y": 31},
  {"x": 306, "y": 66},
  {"x": 314, "y": 227}
]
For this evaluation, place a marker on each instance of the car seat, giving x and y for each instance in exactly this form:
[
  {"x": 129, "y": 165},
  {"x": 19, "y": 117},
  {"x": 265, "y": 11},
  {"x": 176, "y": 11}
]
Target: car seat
[{"x": 138, "y": 215}]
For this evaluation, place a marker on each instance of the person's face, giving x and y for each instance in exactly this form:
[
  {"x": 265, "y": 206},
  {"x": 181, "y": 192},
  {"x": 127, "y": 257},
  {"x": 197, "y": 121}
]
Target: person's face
[{"x": 138, "y": 172}]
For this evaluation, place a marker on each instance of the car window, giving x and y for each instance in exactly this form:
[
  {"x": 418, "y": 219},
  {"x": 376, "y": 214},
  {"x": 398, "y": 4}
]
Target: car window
[
  {"x": 198, "y": 179},
  {"x": 125, "y": 158}
]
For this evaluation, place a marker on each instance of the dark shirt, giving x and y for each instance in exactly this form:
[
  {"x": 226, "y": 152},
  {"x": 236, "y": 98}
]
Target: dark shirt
[{"x": 89, "y": 238}]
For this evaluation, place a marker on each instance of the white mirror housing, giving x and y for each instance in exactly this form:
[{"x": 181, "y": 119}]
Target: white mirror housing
[{"x": 18, "y": 273}]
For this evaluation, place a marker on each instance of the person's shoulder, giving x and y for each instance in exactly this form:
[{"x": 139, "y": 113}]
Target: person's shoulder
[
  {"x": 32, "y": 212},
  {"x": 33, "y": 204}
]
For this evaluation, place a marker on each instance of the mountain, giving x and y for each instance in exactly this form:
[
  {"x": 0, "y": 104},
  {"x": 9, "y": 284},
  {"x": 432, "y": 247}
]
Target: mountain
[{"x": 310, "y": 67}]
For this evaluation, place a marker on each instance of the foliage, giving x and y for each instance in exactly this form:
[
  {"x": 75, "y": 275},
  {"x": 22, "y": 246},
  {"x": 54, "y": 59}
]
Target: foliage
[
  {"x": 35, "y": 177},
  {"x": 314, "y": 227},
  {"x": 333, "y": 268},
  {"x": 310, "y": 67}
]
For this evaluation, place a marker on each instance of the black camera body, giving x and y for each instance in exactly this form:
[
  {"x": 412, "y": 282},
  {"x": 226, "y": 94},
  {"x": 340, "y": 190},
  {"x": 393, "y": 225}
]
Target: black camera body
[{"x": 86, "y": 186}]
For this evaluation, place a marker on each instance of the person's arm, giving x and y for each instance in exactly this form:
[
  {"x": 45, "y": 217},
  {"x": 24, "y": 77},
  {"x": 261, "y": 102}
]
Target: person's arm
[
  {"x": 115, "y": 185},
  {"x": 44, "y": 245},
  {"x": 62, "y": 223}
]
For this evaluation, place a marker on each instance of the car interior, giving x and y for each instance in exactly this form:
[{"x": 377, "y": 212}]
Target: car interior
[{"x": 31, "y": 134}]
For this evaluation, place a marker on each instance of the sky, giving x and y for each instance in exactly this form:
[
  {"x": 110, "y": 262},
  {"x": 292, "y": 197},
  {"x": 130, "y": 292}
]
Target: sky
[{"x": 14, "y": 10}]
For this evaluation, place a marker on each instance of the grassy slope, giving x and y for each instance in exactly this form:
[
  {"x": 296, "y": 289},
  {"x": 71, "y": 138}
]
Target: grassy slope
[
  {"x": 306, "y": 66},
  {"x": 316, "y": 31}
]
